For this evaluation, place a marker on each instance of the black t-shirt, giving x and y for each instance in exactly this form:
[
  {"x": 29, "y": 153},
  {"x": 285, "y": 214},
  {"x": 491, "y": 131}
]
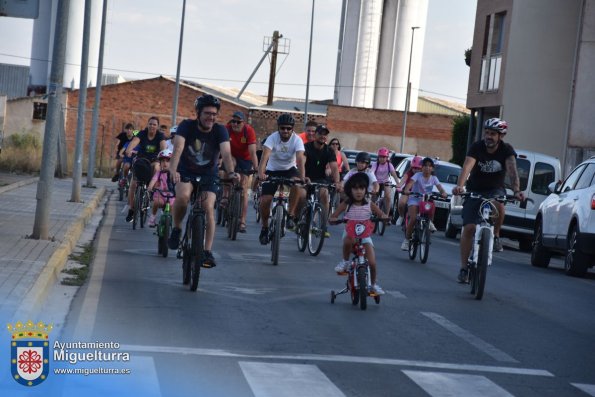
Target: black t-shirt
[
  {"x": 122, "y": 138},
  {"x": 490, "y": 168},
  {"x": 317, "y": 160},
  {"x": 201, "y": 149},
  {"x": 149, "y": 148}
]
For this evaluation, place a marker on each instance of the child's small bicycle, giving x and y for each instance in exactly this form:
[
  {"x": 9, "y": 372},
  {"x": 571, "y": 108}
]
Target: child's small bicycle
[
  {"x": 165, "y": 222},
  {"x": 358, "y": 283},
  {"x": 421, "y": 232}
]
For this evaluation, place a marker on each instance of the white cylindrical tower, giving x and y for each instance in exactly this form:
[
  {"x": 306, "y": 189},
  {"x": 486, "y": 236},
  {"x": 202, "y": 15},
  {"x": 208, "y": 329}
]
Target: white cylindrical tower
[
  {"x": 41, "y": 48},
  {"x": 386, "y": 56},
  {"x": 346, "y": 69},
  {"x": 367, "y": 53},
  {"x": 411, "y": 13}
]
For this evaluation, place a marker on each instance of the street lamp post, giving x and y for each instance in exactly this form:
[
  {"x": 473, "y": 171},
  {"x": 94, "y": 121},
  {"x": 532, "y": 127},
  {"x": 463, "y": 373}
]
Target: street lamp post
[
  {"x": 408, "y": 94},
  {"x": 309, "y": 62}
]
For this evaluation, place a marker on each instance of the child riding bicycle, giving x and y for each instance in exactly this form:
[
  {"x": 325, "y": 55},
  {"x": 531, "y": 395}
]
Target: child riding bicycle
[
  {"x": 159, "y": 181},
  {"x": 423, "y": 182},
  {"x": 356, "y": 207}
]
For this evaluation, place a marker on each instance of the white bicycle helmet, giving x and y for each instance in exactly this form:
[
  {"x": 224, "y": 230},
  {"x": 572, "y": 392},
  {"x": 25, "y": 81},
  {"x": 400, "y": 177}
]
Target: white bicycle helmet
[
  {"x": 165, "y": 154},
  {"x": 497, "y": 125}
]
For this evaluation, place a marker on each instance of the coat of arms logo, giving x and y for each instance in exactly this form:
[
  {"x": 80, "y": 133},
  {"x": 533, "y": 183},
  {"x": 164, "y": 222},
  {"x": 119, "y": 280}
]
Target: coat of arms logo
[{"x": 29, "y": 352}]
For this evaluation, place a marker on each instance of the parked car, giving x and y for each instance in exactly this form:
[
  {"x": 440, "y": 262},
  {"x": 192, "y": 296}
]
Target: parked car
[
  {"x": 536, "y": 172},
  {"x": 448, "y": 175},
  {"x": 565, "y": 222},
  {"x": 396, "y": 158},
  {"x": 350, "y": 154}
]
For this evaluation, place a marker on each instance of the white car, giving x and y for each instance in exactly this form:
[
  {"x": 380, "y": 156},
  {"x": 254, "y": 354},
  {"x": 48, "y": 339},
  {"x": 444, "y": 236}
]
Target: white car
[{"x": 565, "y": 222}]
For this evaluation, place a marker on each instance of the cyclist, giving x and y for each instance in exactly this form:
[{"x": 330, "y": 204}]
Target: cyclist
[
  {"x": 422, "y": 182},
  {"x": 362, "y": 164},
  {"x": 310, "y": 133},
  {"x": 487, "y": 163},
  {"x": 243, "y": 151},
  {"x": 319, "y": 156},
  {"x": 402, "y": 205},
  {"x": 122, "y": 138},
  {"x": 197, "y": 146},
  {"x": 383, "y": 170},
  {"x": 149, "y": 142},
  {"x": 282, "y": 156},
  {"x": 342, "y": 162},
  {"x": 127, "y": 160},
  {"x": 160, "y": 181},
  {"x": 357, "y": 208}
]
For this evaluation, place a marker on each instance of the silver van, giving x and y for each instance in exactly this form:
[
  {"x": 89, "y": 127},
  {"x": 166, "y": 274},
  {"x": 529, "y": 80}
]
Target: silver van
[{"x": 536, "y": 172}]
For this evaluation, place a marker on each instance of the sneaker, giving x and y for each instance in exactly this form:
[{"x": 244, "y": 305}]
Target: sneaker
[
  {"x": 432, "y": 227},
  {"x": 290, "y": 224},
  {"x": 115, "y": 178},
  {"x": 174, "y": 238},
  {"x": 498, "y": 245},
  {"x": 130, "y": 216},
  {"x": 264, "y": 236},
  {"x": 151, "y": 220},
  {"x": 209, "y": 260},
  {"x": 463, "y": 275},
  {"x": 377, "y": 289},
  {"x": 343, "y": 266},
  {"x": 399, "y": 221},
  {"x": 327, "y": 234},
  {"x": 405, "y": 245}
]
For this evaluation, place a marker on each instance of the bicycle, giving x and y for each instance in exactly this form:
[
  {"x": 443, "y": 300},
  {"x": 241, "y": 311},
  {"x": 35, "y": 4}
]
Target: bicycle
[
  {"x": 142, "y": 172},
  {"x": 233, "y": 212},
  {"x": 191, "y": 249},
  {"x": 311, "y": 225},
  {"x": 483, "y": 242},
  {"x": 165, "y": 222},
  {"x": 123, "y": 183},
  {"x": 358, "y": 282},
  {"x": 421, "y": 236},
  {"x": 278, "y": 215},
  {"x": 256, "y": 202},
  {"x": 380, "y": 226}
]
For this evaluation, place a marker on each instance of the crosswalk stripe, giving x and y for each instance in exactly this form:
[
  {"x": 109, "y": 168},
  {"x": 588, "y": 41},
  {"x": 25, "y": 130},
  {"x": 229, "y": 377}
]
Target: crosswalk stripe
[
  {"x": 442, "y": 384},
  {"x": 288, "y": 380},
  {"x": 589, "y": 389}
]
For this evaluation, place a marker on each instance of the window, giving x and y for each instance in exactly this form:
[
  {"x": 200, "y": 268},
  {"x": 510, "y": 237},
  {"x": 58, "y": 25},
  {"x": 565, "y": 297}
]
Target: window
[
  {"x": 523, "y": 167},
  {"x": 586, "y": 178},
  {"x": 543, "y": 176},
  {"x": 572, "y": 178},
  {"x": 39, "y": 110},
  {"x": 491, "y": 63}
]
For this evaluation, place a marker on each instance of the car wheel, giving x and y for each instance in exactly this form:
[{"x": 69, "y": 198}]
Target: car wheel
[
  {"x": 450, "y": 230},
  {"x": 576, "y": 263},
  {"x": 540, "y": 256}
]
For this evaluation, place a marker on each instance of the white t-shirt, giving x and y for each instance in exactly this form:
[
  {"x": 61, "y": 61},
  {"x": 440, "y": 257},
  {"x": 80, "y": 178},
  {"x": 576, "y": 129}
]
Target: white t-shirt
[
  {"x": 282, "y": 155},
  {"x": 368, "y": 172}
]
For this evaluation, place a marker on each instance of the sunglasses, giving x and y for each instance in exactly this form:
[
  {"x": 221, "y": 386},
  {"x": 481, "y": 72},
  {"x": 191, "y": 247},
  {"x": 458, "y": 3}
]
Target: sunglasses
[
  {"x": 285, "y": 128},
  {"x": 335, "y": 143},
  {"x": 236, "y": 121}
]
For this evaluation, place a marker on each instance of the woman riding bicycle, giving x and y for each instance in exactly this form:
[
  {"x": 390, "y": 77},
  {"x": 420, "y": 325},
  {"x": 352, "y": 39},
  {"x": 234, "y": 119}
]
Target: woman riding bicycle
[
  {"x": 356, "y": 207},
  {"x": 423, "y": 182}
]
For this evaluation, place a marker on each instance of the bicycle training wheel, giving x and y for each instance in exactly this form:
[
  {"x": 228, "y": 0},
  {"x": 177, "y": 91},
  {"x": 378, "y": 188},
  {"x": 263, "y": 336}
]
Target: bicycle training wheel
[{"x": 316, "y": 231}]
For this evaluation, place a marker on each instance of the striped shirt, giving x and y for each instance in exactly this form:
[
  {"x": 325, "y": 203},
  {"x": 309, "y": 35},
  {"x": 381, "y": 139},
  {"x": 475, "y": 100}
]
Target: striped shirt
[{"x": 358, "y": 212}]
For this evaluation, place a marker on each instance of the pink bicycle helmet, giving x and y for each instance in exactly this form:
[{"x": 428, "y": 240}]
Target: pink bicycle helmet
[
  {"x": 383, "y": 152},
  {"x": 165, "y": 154},
  {"x": 416, "y": 162}
]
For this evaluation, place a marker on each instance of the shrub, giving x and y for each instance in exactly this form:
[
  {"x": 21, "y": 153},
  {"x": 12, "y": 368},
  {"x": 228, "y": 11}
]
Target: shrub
[
  {"x": 21, "y": 152},
  {"x": 460, "y": 131}
]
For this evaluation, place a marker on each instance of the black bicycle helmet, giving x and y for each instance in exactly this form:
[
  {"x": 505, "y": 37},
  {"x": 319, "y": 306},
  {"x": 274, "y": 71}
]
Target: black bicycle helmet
[
  {"x": 357, "y": 179},
  {"x": 363, "y": 157},
  {"x": 206, "y": 100},
  {"x": 286, "y": 119}
]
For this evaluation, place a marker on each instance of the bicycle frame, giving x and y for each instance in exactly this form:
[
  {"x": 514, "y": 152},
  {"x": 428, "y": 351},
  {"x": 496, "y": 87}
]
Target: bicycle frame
[{"x": 485, "y": 223}]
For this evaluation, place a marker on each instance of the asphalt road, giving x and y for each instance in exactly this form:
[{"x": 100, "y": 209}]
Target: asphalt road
[{"x": 253, "y": 329}]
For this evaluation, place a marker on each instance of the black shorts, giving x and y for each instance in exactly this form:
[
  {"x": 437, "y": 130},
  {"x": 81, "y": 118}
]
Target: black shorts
[
  {"x": 243, "y": 165},
  {"x": 208, "y": 183},
  {"x": 471, "y": 206},
  {"x": 269, "y": 188}
]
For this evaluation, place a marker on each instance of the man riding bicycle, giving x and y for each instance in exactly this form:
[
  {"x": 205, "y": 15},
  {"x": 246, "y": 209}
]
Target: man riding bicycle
[
  {"x": 197, "y": 145},
  {"x": 487, "y": 163},
  {"x": 282, "y": 156}
]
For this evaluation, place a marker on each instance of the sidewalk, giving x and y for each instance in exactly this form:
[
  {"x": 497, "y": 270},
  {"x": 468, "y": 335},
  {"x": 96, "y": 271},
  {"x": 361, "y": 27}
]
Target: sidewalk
[{"x": 28, "y": 268}]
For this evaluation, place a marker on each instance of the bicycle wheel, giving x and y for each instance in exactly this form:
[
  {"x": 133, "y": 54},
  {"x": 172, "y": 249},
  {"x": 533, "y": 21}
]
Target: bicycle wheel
[
  {"x": 302, "y": 229},
  {"x": 381, "y": 225},
  {"x": 146, "y": 205},
  {"x": 424, "y": 242},
  {"x": 165, "y": 234},
  {"x": 354, "y": 292},
  {"x": 137, "y": 205},
  {"x": 482, "y": 263},
  {"x": 197, "y": 249},
  {"x": 316, "y": 231},
  {"x": 413, "y": 243},
  {"x": 186, "y": 256},
  {"x": 234, "y": 215},
  {"x": 278, "y": 215},
  {"x": 362, "y": 281},
  {"x": 395, "y": 208}
]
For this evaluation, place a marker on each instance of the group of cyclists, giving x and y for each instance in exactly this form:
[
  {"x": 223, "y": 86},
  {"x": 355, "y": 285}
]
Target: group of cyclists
[{"x": 203, "y": 148}]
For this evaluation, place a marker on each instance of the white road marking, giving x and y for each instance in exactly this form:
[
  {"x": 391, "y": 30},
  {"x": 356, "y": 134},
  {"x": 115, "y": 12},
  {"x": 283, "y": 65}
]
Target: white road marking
[
  {"x": 480, "y": 344},
  {"x": 441, "y": 384},
  {"x": 334, "y": 358},
  {"x": 396, "y": 294},
  {"x": 288, "y": 380},
  {"x": 589, "y": 389}
]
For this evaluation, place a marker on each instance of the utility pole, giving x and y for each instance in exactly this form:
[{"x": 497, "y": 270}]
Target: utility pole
[
  {"x": 48, "y": 161},
  {"x": 174, "y": 113},
  {"x": 309, "y": 62},
  {"x": 95, "y": 123},
  {"x": 408, "y": 94},
  {"x": 273, "y": 67},
  {"x": 77, "y": 165}
]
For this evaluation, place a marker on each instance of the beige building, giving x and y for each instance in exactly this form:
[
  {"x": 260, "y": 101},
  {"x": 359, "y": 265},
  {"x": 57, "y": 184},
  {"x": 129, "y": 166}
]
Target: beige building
[{"x": 533, "y": 64}]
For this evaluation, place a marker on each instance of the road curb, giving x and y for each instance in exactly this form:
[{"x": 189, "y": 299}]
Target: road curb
[
  {"x": 18, "y": 184},
  {"x": 51, "y": 271}
]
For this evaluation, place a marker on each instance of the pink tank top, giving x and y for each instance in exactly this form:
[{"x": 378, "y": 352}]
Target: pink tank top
[{"x": 359, "y": 212}]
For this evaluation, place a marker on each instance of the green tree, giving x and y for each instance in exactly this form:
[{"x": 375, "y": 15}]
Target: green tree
[{"x": 460, "y": 131}]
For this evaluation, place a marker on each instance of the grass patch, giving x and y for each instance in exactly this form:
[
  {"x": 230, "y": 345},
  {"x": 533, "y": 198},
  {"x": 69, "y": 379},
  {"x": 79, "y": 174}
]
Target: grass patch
[
  {"x": 21, "y": 153},
  {"x": 81, "y": 273}
]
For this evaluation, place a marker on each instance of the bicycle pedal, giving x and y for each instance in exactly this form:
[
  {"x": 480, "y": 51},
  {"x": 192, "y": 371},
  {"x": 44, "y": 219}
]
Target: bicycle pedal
[{"x": 342, "y": 273}]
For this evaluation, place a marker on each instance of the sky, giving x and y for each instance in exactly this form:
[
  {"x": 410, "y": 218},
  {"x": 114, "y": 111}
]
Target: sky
[{"x": 223, "y": 43}]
